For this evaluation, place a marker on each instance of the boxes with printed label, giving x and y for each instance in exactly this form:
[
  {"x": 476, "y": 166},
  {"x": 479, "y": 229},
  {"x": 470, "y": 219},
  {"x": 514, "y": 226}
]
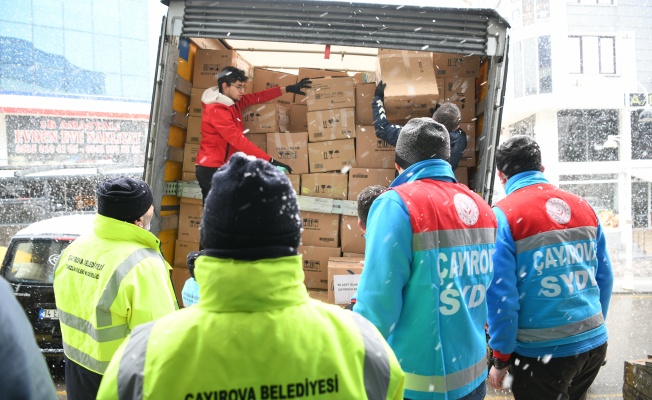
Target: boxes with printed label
[
  {"x": 315, "y": 264},
  {"x": 318, "y": 294},
  {"x": 266, "y": 79},
  {"x": 360, "y": 178},
  {"x": 179, "y": 278},
  {"x": 331, "y": 156},
  {"x": 193, "y": 129},
  {"x": 343, "y": 278},
  {"x": 371, "y": 152},
  {"x": 320, "y": 229},
  {"x": 298, "y": 118},
  {"x": 259, "y": 139},
  {"x": 265, "y": 118},
  {"x": 188, "y": 176},
  {"x": 461, "y": 92},
  {"x": 449, "y": 65},
  {"x": 295, "y": 181},
  {"x": 181, "y": 250},
  {"x": 364, "y": 96},
  {"x": 330, "y": 93},
  {"x": 462, "y": 175},
  {"x": 189, "y": 219},
  {"x": 332, "y": 185},
  {"x": 314, "y": 73},
  {"x": 190, "y": 156},
  {"x": 468, "y": 157},
  {"x": 291, "y": 149},
  {"x": 365, "y": 77},
  {"x": 195, "y": 109},
  {"x": 331, "y": 124},
  {"x": 351, "y": 236},
  {"x": 209, "y": 63}
]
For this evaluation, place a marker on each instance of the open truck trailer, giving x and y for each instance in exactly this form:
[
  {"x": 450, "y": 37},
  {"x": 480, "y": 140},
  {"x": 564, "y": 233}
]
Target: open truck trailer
[{"x": 285, "y": 35}]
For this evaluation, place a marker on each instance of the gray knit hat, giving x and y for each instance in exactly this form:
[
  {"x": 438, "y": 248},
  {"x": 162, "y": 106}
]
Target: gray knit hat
[{"x": 422, "y": 139}]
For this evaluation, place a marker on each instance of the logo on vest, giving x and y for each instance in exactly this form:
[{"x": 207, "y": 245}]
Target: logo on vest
[
  {"x": 558, "y": 210},
  {"x": 466, "y": 208}
]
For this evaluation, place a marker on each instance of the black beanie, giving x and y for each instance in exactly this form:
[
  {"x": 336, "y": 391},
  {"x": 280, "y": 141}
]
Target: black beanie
[
  {"x": 422, "y": 139},
  {"x": 125, "y": 199},
  {"x": 251, "y": 205}
]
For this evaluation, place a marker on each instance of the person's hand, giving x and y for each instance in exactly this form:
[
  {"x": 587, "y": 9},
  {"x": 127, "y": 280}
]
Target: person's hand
[
  {"x": 277, "y": 163},
  {"x": 297, "y": 87},
  {"x": 497, "y": 378},
  {"x": 380, "y": 90}
]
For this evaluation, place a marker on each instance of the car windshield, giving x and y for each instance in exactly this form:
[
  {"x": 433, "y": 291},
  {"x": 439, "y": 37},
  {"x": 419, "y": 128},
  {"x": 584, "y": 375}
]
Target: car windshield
[{"x": 34, "y": 260}]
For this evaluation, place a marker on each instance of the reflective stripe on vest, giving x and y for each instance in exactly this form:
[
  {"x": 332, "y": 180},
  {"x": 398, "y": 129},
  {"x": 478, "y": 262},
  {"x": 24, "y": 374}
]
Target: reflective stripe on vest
[
  {"x": 567, "y": 236},
  {"x": 376, "y": 360},
  {"x": 99, "y": 335},
  {"x": 453, "y": 238},
  {"x": 558, "y": 332},
  {"x": 443, "y": 384},
  {"x": 84, "y": 359},
  {"x": 131, "y": 371}
]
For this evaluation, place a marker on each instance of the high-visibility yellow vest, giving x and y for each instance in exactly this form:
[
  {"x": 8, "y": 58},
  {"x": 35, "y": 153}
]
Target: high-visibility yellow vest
[
  {"x": 105, "y": 285},
  {"x": 255, "y": 334}
]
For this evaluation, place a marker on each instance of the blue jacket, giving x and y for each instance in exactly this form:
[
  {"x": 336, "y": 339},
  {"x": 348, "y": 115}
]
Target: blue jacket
[
  {"x": 425, "y": 276},
  {"x": 552, "y": 278},
  {"x": 389, "y": 132}
]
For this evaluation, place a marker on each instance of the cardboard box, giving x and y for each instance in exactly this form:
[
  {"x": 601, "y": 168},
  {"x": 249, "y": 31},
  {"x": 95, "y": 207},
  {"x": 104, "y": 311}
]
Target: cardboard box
[
  {"x": 193, "y": 130},
  {"x": 364, "y": 96},
  {"x": 265, "y": 118},
  {"x": 319, "y": 294},
  {"x": 411, "y": 89},
  {"x": 343, "y": 281},
  {"x": 188, "y": 176},
  {"x": 351, "y": 236},
  {"x": 461, "y": 92},
  {"x": 320, "y": 229},
  {"x": 332, "y": 155},
  {"x": 329, "y": 185},
  {"x": 468, "y": 157},
  {"x": 462, "y": 175},
  {"x": 360, "y": 178},
  {"x": 441, "y": 88},
  {"x": 314, "y": 73},
  {"x": 291, "y": 149},
  {"x": 298, "y": 118},
  {"x": 195, "y": 109},
  {"x": 331, "y": 124},
  {"x": 179, "y": 277},
  {"x": 355, "y": 255},
  {"x": 181, "y": 250},
  {"x": 190, "y": 213},
  {"x": 315, "y": 264},
  {"x": 266, "y": 79},
  {"x": 365, "y": 77},
  {"x": 259, "y": 139},
  {"x": 209, "y": 63},
  {"x": 190, "y": 151},
  {"x": 295, "y": 181},
  {"x": 372, "y": 152},
  {"x": 449, "y": 65},
  {"x": 330, "y": 93}
]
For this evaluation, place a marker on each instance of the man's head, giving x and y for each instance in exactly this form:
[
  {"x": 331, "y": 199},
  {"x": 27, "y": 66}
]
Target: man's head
[
  {"x": 518, "y": 154},
  {"x": 251, "y": 205},
  {"x": 365, "y": 198},
  {"x": 126, "y": 199},
  {"x": 422, "y": 139},
  {"x": 232, "y": 82},
  {"x": 449, "y": 116}
]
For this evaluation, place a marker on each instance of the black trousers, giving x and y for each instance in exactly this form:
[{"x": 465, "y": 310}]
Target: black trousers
[
  {"x": 563, "y": 378},
  {"x": 204, "y": 177},
  {"x": 81, "y": 384}
]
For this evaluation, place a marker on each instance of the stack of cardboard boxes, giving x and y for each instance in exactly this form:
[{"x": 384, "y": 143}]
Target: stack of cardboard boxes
[{"x": 328, "y": 139}]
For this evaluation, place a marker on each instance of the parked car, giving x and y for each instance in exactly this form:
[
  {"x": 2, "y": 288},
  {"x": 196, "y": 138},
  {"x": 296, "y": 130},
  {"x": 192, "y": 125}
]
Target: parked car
[{"x": 29, "y": 263}]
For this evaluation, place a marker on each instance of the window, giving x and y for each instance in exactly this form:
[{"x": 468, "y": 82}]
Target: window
[
  {"x": 524, "y": 127},
  {"x": 593, "y": 2},
  {"x": 641, "y": 143},
  {"x": 533, "y": 66},
  {"x": 582, "y": 134},
  {"x": 592, "y": 54}
]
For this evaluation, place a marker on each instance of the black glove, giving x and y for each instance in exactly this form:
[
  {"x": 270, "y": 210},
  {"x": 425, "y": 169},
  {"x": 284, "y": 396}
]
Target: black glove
[
  {"x": 296, "y": 88},
  {"x": 380, "y": 90},
  {"x": 277, "y": 163}
]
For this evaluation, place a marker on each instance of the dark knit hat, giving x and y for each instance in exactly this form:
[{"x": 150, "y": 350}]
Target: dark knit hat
[
  {"x": 125, "y": 199},
  {"x": 251, "y": 205},
  {"x": 422, "y": 139}
]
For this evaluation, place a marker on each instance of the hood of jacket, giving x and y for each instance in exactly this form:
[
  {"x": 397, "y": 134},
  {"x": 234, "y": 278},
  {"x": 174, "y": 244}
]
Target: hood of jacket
[
  {"x": 212, "y": 95},
  {"x": 433, "y": 169}
]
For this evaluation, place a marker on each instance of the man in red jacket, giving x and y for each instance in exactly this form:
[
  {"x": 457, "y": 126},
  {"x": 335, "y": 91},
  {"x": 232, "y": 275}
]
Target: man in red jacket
[{"x": 222, "y": 127}]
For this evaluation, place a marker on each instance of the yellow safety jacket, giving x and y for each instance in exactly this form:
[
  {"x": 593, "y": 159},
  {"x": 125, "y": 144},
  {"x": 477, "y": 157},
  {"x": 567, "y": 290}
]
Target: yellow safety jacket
[
  {"x": 255, "y": 334},
  {"x": 107, "y": 283}
]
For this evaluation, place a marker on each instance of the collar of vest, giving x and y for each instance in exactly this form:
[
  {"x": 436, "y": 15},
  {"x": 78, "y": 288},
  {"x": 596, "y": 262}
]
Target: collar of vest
[
  {"x": 228, "y": 285},
  {"x": 111, "y": 228},
  {"x": 523, "y": 179}
]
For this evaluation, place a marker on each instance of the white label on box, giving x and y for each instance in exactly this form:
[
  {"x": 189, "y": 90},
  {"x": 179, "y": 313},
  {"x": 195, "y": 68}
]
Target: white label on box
[{"x": 344, "y": 287}]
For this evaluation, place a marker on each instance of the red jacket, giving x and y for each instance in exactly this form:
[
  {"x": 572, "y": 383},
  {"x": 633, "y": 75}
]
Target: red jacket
[{"x": 222, "y": 129}]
